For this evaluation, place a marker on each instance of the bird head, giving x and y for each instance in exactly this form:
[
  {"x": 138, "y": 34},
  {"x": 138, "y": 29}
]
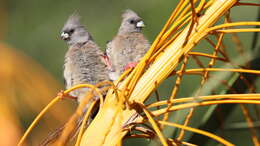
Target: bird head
[
  {"x": 131, "y": 22},
  {"x": 73, "y": 32}
]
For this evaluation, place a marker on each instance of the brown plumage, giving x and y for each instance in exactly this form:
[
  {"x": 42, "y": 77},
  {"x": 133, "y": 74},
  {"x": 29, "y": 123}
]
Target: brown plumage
[{"x": 128, "y": 46}]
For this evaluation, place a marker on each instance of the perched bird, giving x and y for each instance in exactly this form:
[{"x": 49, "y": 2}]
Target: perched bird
[
  {"x": 128, "y": 46},
  {"x": 84, "y": 61}
]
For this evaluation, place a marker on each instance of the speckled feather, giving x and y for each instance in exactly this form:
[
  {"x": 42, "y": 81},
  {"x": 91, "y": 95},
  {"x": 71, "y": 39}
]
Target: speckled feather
[
  {"x": 129, "y": 48},
  {"x": 83, "y": 60},
  {"x": 129, "y": 45},
  {"x": 84, "y": 64}
]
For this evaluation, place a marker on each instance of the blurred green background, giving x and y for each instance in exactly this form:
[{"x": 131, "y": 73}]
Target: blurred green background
[{"x": 33, "y": 27}]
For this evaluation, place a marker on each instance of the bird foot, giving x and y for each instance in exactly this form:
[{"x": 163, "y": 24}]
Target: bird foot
[
  {"x": 62, "y": 95},
  {"x": 130, "y": 65}
]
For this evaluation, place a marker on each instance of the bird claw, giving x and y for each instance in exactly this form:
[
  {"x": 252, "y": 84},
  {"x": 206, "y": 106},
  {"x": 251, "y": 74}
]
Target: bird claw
[
  {"x": 62, "y": 95},
  {"x": 130, "y": 65}
]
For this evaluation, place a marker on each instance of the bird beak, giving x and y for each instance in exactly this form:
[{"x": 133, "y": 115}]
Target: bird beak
[
  {"x": 64, "y": 35},
  {"x": 140, "y": 24}
]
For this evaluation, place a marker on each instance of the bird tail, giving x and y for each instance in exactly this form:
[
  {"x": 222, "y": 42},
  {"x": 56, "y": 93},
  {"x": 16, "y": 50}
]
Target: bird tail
[{"x": 54, "y": 136}]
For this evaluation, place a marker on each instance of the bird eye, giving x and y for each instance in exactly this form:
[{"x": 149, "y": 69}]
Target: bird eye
[
  {"x": 71, "y": 31},
  {"x": 132, "y": 21}
]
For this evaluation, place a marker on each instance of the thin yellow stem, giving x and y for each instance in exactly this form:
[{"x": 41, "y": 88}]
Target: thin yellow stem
[
  {"x": 239, "y": 30},
  {"x": 36, "y": 120},
  {"x": 210, "y": 97},
  {"x": 176, "y": 87},
  {"x": 155, "y": 126},
  {"x": 226, "y": 25},
  {"x": 173, "y": 142},
  {"x": 222, "y": 70},
  {"x": 204, "y": 103},
  {"x": 217, "y": 138},
  {"x": 207, "y": 55},
  {"x": 250, "y": 124},
  {"x": 86, "y": 117}
]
